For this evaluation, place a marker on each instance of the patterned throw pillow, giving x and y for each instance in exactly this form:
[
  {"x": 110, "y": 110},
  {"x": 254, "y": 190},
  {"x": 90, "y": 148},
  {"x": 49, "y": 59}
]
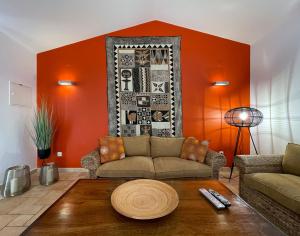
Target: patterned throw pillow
[
  {"x": 193, "y": 149},
  {"x": 111, "y": 149}
]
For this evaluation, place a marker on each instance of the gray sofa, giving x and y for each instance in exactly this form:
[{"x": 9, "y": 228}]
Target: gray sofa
[{"x": 153, "y": 158}]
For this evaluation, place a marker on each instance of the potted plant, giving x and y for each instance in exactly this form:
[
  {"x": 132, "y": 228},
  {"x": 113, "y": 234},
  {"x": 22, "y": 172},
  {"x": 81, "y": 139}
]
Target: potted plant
[{"x": 43, "y": 130}]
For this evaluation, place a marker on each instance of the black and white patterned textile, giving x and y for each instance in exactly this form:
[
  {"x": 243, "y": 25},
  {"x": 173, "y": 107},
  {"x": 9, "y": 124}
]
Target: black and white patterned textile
[{"x": 144, "y": 86}]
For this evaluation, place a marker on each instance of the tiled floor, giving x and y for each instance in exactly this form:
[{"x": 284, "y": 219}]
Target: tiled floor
[
  {"x": 17, "y": 213},
  {"x": 233, "y": 184}
]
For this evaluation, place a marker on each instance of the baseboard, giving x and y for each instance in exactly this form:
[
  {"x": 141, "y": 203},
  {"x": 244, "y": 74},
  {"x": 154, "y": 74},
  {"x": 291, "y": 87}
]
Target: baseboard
[
  {"x": 33, "y": 171},
  {"x": 62, "y": 170},
  {"x": 72, "y": 170}
]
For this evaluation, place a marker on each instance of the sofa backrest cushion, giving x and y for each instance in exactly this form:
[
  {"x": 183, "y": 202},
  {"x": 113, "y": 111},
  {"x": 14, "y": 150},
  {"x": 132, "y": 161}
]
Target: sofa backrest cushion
[
  {"x": 291, "y": 159},
  {"x": 137, "y": 145},
  {"x": 166, "y": 147}
]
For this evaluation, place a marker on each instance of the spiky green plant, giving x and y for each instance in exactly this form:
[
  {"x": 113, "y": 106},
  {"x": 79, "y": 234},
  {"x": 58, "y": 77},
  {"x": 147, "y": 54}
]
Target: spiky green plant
[{"x": 43, "y": 126}]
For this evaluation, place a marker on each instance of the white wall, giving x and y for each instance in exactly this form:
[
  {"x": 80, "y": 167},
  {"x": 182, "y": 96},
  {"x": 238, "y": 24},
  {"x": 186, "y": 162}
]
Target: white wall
[
  {"x": 17, "y": 63},
  {"x": 275, "y": 85}
]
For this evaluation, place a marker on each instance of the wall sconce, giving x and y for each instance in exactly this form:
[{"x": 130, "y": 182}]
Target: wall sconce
[
  {"x": 221, "y": 83},
  {"x": 65, "y": 83}
]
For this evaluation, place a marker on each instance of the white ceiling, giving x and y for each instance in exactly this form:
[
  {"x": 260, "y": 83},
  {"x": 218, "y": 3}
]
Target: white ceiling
[{"x": 45, "y": 24}]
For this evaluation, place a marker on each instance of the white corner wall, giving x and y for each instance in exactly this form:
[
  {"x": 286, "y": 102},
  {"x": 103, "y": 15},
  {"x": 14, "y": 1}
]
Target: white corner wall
[
  {"x": 18, "y": 64},
  {"x": 275, "y": 86}
]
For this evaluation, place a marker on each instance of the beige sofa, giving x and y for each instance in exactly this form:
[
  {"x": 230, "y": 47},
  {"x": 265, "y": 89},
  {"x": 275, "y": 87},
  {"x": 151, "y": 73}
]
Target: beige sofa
[
  {"x": 153, "y": 157},
  {"x": 271, "y": 184}
]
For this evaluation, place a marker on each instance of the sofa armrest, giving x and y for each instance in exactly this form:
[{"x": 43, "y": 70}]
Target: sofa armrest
[
  {"x": 91, "y": 162},
  {"x": 248, "y": 164},
  {"x": 216, "y": 161}
]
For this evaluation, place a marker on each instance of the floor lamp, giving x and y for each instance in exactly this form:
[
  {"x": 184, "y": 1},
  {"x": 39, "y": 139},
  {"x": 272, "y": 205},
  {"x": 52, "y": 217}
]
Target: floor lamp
[{"x": 243, "y": 117}]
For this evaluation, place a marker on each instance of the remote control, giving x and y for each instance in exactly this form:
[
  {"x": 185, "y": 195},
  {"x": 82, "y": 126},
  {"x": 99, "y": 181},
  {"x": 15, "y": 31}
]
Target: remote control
[
  {"x": 211, "y": 198},
  {"x": 220, "y": 197}
]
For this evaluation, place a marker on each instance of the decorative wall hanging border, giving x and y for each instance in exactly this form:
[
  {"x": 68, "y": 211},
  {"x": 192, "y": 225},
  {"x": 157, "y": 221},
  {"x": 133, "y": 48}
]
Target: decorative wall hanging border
[{"x": 144, "y": 86}]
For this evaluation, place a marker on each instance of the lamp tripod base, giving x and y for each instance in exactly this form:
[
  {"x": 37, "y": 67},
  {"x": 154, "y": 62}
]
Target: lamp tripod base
[{"x": 236, "y": 147}]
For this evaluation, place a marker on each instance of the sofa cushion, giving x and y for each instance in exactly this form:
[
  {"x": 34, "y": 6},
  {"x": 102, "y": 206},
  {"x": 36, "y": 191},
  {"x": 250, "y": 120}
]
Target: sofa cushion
[
  {"x": 130, "y": 167},
  {"x": 137, "y": 145},
  {"x": 282, "y": 188},
  {"x": 166, "y": 147},
  {"x": 175, "y": 167},
  {"x": 193, "y": 149},
  {"x": 291, "y": 159},
  {"x": 111, "y": 149}
]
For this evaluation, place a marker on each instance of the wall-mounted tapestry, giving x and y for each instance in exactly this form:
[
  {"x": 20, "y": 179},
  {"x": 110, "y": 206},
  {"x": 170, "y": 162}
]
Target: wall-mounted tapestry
[{"x": 144, "y": 86}]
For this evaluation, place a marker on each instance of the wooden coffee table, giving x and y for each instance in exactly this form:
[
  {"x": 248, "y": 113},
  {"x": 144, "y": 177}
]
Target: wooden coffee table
[{"x": 86, "y": 210}]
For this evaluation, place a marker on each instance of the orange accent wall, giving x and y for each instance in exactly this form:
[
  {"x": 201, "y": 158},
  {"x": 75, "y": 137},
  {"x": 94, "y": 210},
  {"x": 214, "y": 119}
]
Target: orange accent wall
[{"x": 81, "y": 110}]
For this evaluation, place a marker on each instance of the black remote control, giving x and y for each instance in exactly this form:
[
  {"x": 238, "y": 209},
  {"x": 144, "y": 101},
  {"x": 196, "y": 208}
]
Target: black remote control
[{"x": 220, "y": 197}]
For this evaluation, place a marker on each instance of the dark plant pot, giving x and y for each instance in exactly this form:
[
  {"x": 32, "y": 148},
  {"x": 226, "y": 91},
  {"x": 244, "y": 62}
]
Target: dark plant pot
[{"x": 44, "y": 154}]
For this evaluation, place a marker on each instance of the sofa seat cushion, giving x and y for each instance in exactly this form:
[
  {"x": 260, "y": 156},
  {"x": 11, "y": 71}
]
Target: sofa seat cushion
[
  {"x": 282, "y": 188},
  {"x": 175, "y": 167},
  {"x": 129, "y": 167}
]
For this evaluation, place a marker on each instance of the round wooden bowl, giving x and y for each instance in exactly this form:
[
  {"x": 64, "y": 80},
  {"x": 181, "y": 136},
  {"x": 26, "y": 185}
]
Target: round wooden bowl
[{"x": 144, "y": 199}]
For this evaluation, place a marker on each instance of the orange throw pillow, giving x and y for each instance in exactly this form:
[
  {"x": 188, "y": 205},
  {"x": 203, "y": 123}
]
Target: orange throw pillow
[
  {"x": 193, "y": 149},
  {"x": 111, "y": 149}
]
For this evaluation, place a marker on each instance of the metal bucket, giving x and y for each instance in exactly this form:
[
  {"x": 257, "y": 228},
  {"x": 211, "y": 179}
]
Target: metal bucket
[
  {"x": 49, "y": 174},
  {"x": 16, "y": 181}
]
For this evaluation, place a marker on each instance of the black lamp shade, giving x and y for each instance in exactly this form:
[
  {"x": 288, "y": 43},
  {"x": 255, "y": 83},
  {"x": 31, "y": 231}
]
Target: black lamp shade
[{"x": 243, "y": 117}]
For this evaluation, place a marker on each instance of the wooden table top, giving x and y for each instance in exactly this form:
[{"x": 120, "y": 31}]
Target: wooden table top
[{"x": 86, "y": 210}]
